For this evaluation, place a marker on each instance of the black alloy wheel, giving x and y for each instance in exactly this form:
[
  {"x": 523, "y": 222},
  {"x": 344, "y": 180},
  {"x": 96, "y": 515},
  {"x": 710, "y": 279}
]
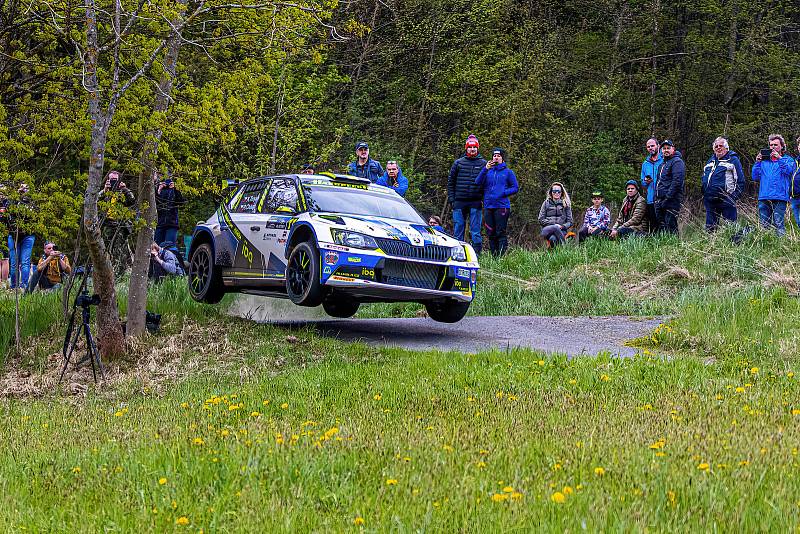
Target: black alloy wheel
[
  {"x": 302, "y": 276},
  {"x": 205, "y": 279}
]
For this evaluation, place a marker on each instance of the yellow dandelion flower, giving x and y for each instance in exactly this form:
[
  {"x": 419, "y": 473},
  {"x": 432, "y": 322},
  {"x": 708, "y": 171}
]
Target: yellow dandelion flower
[
  {"x": 796, "y": 411},
  {"x": 573, "y": 381},
  {"x": 162, "y": 481},
  {"x": 604, "y": 378},
  {"x": 377, "y": 397},
  {"x": 599, "y": 471},
  {"x": 703, "y": 466},
  {"x": 499, "y": 497},
  {"x": 76, "y": 470},
  {"x": 184, "y": 405},
  {"x": 182, "y": 520},
  {"x": 508, "y": 489},
  {"x": 790, "y": 374},
  {"x": 541, "y": 362},
  {"x": 558, "y": 497},
  {"x": 567, "y": 490},
  {"x": 198, "y": 441},
  {"x": 516, "y": 496},
  {"x": 358, "y": 521},
  {"x": 254, "y": 414},
  {"x": 754, "y": 370},
  {"x": 391, "y": 481},
  {"x": 556, "y": 467},
  {"x": 744, "y": 463},
  {"x": 481, "y": 465},
  {"x": 331, "y": 432},
  {"x": 284, "y": 405}
]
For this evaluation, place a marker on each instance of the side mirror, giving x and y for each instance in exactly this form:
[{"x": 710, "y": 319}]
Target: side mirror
[{"x": 285, "y": 209}]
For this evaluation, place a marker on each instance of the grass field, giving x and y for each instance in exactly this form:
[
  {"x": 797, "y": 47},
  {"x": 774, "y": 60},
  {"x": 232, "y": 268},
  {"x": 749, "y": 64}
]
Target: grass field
[{"x": 230, "y": 426}]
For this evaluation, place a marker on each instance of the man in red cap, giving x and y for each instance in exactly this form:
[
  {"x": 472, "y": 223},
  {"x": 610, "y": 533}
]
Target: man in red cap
[{"x": 465, "y": 195}]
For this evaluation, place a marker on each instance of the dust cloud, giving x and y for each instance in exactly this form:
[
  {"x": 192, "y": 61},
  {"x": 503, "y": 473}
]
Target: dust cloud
[{"x": 273, "y": 310}]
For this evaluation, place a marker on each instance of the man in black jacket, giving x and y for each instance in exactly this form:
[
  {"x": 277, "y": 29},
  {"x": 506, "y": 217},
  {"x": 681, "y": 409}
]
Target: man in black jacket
[
  {"x": 669, "y": 188},
  {"x": 465, "y": 197}
]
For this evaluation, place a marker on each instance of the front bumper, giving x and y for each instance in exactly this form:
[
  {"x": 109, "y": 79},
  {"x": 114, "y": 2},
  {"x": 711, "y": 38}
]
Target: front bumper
[{"x": 378, "y": 291}]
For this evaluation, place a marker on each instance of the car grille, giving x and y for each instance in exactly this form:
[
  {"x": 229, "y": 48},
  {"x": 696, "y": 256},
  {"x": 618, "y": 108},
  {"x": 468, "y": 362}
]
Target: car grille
[
  {"x": 409, "y": 274},
  {"x": 395, "y": 247}
]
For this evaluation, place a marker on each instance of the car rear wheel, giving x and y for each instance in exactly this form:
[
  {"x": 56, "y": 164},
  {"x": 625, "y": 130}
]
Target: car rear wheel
[
  {"x": 341, "y": 307},
  {"x": 448, "y": 311},
  {"x": 205, "y": 279},
  {"x": 302, "y": 275}
]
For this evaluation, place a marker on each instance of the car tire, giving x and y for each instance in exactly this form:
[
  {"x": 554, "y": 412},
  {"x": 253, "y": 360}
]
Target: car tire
[
  {"x": 205, "y": 278},
  {"x": 302, "y": 275},
  {"x": 448, "y": 311},
  {"x": 342, "y": 308}
]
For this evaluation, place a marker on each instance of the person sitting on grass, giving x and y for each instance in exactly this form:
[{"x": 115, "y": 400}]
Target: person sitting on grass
[
  {"x": 163, "y": 263},
  {"x": 632, "y": 217},
  {"x": 51, "y": 269},
  {"x": 596, "y": 219},
  {"x": 555, "y": 215}
]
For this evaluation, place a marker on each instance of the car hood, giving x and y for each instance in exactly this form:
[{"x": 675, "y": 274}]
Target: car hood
[{"x": 380, "y": 227}]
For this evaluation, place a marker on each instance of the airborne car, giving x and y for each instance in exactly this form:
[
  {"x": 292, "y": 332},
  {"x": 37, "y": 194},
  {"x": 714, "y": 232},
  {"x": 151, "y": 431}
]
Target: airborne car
[{"x": 333, "y": 240}]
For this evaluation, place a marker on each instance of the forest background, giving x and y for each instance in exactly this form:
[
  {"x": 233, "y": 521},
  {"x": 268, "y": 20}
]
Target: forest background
[{"x": 570, "y": 89}]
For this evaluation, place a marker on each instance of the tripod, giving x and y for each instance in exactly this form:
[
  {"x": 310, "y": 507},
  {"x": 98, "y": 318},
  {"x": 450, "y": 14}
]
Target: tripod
[{"x": 92, "y": 354}]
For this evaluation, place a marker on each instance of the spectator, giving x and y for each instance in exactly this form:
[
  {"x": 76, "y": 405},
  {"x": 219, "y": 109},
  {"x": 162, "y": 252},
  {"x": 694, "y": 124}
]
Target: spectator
[
  {"x": 498, "y": 182},
  {"x": 116, "y": 232},
  {"x": 650, "y": 168},
  {"x": 14, "y": 215},
  {"x": 168, "y": 201},
  {"x": 308, "y": 168},
  {"x": 773, "y": 175},
  {"x": 632, "y": 217},
  {"x": 364, "y": 166},
  {"x": 555, "y": 215},
  {"x": 52, "y": 268},
  {"x": 669, "y": 188},
  {"x": 435, "y": 222},
  {"x": 394, "y": 178},
  {"x": 465, "y": 195},
  {"x": 794, "y": 187},
  {"x": 596, "y": 219},
  {"x": 164, "y": 263},
  {"x": 723, "y": 184}
]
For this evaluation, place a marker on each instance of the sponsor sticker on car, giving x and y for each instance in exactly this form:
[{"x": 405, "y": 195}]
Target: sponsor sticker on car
[{"x": 331, "y": 257}]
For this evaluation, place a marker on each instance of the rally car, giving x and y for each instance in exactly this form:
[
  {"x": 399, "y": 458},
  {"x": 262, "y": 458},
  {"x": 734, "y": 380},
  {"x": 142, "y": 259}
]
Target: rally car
[{"x": 333, "y": 240}]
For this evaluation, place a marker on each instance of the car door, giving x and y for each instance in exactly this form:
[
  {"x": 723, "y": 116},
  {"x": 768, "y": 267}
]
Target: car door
[
  {"x": 249, "y": 263},
  {"x": 279, "y": 207}
]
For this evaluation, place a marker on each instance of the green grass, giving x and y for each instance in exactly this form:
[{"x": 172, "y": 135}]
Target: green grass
[
  {"x": 475, "y": 443},
  {"x": 253, "y": 428}
]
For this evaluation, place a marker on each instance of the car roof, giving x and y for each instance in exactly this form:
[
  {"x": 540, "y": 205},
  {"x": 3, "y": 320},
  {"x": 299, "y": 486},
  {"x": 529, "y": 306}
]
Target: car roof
[{"x": 324, "y": 177}]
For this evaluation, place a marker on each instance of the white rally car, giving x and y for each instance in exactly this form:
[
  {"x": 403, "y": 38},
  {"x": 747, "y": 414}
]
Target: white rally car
[{"x": 333, "y": 240}]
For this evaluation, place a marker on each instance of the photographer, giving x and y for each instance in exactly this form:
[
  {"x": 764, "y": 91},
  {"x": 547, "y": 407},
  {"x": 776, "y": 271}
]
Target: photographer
[
  {"x": 773, "y": 171},
  {"x": 168, "y": 200},
  {"x": 163, "y": 263},
  {"x": 393, "y": 177},
  {"x": 51, "y": 269},
  {"x": 13, "y": 215},
  {"x": 115, "y": 231}
]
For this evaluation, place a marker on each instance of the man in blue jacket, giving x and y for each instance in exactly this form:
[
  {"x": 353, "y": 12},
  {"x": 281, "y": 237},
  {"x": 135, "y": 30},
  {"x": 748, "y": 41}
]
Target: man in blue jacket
[
  {"x": 394, "y": 178},
  {"x": 723, "y": 184},
  {"x": 773, "y": 174},
  {"x": 669, "y": 188},
  {"x": 650, "y": 167},
  {"x": 364, "y": 166},
  {"x": 465, "y": 195},
  {"x": 498, "y": 182}
]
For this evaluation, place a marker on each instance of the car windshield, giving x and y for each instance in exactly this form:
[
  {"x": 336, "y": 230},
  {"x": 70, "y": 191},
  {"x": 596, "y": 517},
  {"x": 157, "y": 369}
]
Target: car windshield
[{"x": 336, "y": 199}]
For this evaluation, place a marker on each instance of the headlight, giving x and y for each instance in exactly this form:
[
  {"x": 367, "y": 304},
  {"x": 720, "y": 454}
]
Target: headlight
[
  {"x": 353, "y": 239},
  {"x": 458, "y": 254}
]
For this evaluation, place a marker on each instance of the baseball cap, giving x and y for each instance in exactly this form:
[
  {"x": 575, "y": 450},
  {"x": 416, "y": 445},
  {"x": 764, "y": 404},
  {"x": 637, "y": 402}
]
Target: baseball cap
[
  {"x": 667, "y": 142},
  {"x": 597, "y": 193},
  {"x": 362, "y": 144}
]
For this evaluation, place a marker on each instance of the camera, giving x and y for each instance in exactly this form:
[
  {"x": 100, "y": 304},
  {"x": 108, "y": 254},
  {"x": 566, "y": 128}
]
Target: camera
[
  {"x": 766, "y": 152},
  {"x": 84, "y": 300}
]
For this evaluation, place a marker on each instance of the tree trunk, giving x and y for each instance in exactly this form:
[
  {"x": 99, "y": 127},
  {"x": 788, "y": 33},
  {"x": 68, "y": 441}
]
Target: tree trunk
[
  {"x": 109, "y": 328},
  {"x": 137, "y": 289}
]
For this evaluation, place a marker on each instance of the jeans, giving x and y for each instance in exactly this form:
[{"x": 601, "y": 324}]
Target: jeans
[
  {"x": 162, "y": 235},
  {"x": 584, "y": 233},
  {"x": 667, "y": 217},
  {"x": 651, "y": 222},
  {"x": 496, "y": 222},
  {"x": 719, "y": 206},
  {"x": 554, "y": 234},
  {"x": 459, "y": 225},
  {"x": 795, "y": 204},
  {"x": 772, "y": 213},
  {"x": 20, "y": 251}
]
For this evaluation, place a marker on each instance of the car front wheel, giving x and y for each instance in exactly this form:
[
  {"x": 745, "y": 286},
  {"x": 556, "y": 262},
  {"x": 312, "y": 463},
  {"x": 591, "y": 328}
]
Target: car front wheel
[
  {"x": 302, "y": 276},
  {"x": 340, "y": 307},
  {"x": 205, "y": 279},
  {"x": 448, "y": 311}
]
